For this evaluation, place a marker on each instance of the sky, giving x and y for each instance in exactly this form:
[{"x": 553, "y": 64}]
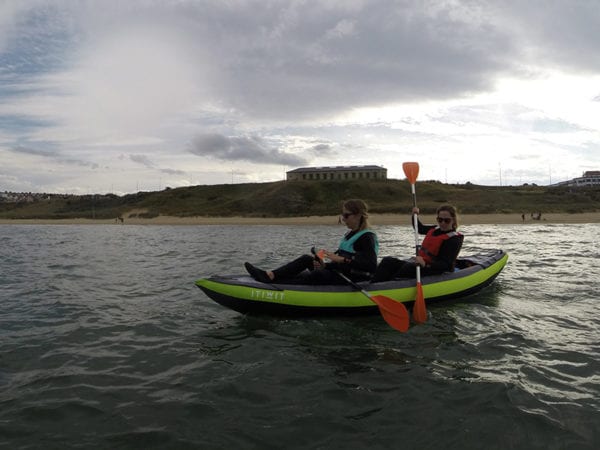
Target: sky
[{"x": 114, "y": 96}]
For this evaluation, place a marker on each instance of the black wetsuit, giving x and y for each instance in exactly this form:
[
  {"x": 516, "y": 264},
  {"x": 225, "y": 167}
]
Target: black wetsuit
[
  {"x": 391, "y": 267},
  {"x": 361, "y": 266}
]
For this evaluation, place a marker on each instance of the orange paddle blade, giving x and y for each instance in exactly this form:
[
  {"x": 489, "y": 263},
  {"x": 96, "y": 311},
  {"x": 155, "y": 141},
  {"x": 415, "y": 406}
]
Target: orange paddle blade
[
  {"x": 419, "y": 308},
  {"x": 393, "y": 312},
  {"x": 411, "y": 170}
]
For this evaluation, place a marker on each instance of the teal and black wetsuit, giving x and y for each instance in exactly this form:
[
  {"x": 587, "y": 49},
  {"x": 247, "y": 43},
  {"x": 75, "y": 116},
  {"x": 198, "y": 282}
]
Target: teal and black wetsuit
[{"x": 360, "y": 249}]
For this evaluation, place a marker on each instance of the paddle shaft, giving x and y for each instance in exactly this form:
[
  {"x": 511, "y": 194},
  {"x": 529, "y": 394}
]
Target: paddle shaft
[
  {"x": 353, "y": 284},
  {"x": 419, "y": 309},
  {"x": 394, "y": 313},
  {"x": 416, "y": 229},
  {"x": 319, "y": 257}
]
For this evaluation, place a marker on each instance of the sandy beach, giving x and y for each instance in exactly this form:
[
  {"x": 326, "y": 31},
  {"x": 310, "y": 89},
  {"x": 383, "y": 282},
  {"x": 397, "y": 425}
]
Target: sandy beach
[{"x": 376, "y": 219}]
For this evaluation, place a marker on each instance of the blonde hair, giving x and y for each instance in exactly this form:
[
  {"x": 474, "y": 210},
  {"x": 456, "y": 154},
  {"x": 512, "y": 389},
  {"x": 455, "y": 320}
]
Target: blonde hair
[
  {"x": 357, "y": 206},
  {"x": 452, "y": 210}
]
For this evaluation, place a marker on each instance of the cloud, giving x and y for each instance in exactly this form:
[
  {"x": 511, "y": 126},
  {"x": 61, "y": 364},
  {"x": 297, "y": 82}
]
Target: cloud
[
  {"x": 55, "y": 156},
  {"x": 130, "y": 65},
  {"x": 294, "y": 82},
  {"x": 555, "y": 34},
  {"x": 142, "y": 159},
  {"x": 32, "y": 151},
  {"x": 173, "y": 171},
  {"x": 133, "y": 65},
  {"x": 147, "y": 162},
  {"x": 10, "y": 14},
  {"x": 98, "y": 76},
  {"x": 241, "y": 148},
  {"x": 322, "y": 148},
  {"x": 329, "y": 57},
  {"x": 549, "y": 125}
]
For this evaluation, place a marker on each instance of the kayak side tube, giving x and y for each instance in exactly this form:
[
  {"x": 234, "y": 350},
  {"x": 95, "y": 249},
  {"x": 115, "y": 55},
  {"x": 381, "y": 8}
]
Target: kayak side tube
[{"x": 247, "y": 296}]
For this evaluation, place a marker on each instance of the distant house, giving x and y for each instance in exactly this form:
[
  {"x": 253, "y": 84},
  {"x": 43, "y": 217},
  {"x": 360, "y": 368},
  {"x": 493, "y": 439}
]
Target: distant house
[
  {"x": 338, "y": 173},
  {"x": 589, "y": 178}
]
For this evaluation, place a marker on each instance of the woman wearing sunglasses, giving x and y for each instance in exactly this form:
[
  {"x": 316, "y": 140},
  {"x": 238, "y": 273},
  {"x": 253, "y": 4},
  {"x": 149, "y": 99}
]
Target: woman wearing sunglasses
[
  {"x": 356, "y": 256},
  {"x": 438, "y": 251}
]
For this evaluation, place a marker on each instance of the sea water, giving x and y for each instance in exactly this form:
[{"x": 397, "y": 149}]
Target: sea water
[{"x": 105, "y": 342}]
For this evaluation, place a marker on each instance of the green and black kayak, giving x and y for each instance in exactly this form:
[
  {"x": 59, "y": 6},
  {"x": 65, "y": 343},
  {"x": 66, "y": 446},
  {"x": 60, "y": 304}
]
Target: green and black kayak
[{"x": 248, "y": 296}]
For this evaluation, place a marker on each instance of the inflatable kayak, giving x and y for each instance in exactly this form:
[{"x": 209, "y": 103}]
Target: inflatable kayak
[{"x": 246, "y": 295}]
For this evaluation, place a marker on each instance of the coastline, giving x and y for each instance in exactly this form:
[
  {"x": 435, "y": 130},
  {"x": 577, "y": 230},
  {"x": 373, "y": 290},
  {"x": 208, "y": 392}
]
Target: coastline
[{"x": 376, "y": 219}]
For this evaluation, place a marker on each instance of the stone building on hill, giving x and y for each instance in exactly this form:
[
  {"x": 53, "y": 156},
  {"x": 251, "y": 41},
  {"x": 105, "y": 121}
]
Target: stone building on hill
[{"x": 338, "y": 173}]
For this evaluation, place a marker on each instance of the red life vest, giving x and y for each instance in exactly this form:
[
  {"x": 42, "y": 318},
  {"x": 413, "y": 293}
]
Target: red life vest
[{"x": 430, "y": 247}]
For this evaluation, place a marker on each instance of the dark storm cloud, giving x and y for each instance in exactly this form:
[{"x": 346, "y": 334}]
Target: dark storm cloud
[
  {"x": 564, "y": 33},
  {"x": 322, "y": 58},
  {"x": 241, "y": 148},
  {"x": 304, "y": 59}
]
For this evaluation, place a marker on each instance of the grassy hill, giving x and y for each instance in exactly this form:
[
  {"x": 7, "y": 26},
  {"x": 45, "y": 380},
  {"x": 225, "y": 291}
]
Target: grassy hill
[{"x": 308, "y": 198}]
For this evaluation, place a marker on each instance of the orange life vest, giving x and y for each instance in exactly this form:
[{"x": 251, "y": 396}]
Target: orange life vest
[{"x": 430, "y": 246}]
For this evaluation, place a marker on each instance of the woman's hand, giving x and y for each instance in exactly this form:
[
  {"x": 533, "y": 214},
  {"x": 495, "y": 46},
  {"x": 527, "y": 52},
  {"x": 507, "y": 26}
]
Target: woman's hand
[
  {"x": 420, "y": 261},
  {"x": 415, "y": 210},
  {"x": 333, "y": 257}
]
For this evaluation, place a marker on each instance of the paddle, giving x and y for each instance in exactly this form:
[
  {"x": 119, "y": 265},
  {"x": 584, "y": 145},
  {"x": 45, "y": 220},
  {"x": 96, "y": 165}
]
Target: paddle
[
  {"x": 411, "y": 170},
  {"x": 393, "y": 312}
]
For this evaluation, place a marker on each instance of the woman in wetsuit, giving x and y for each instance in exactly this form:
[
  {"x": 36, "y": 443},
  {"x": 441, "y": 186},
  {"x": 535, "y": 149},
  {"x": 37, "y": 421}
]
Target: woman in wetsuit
[
  {"x": 438, "y": 251},
  {"x": 356, "y": 256}
]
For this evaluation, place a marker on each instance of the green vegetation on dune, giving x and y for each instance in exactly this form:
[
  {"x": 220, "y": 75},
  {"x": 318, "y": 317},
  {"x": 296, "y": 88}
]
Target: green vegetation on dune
[{"x": 309, "y": 198}]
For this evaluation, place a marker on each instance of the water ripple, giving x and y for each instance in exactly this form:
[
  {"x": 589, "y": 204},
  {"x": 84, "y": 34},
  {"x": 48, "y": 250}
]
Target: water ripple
[{"x": 106, "y": 343}]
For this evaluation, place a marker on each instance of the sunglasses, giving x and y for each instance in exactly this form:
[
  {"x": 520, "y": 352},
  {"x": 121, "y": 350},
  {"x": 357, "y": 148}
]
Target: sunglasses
[
  {"x": 346, "y": 215},
  {"x": 444, "y": 219}
]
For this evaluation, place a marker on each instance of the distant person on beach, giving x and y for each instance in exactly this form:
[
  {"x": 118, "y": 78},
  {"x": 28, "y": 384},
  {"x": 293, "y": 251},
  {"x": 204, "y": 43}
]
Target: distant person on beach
[
  {"x": 438, "y": 251},
  {"x": 356, "y": 256},
  {"x": 523, "y": 217}
]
